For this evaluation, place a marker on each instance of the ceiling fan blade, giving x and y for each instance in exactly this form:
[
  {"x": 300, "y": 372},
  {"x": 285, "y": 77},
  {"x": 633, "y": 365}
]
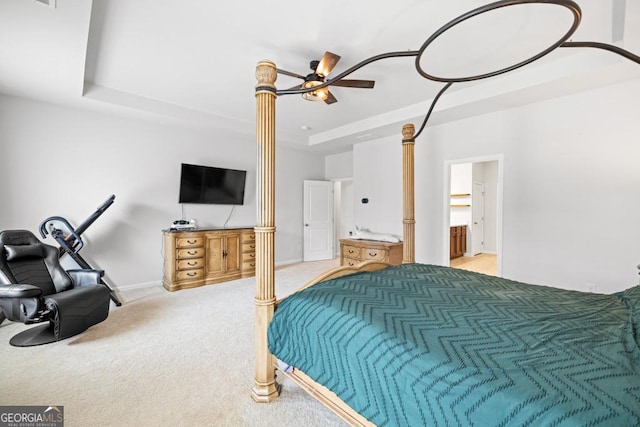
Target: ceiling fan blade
[
  {"x": 365, "y": 84},
  {"x": 290, "y": 74},
  {"x": 330, "y": 98},
  {"x": 326, "y": 64}
]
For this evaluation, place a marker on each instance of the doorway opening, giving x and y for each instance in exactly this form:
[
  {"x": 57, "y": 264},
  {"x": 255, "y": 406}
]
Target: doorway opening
[
  {"x": 328, "y": 217},
  {"x": 472, "y": 233},
  {"x": 343, "y": 211}
]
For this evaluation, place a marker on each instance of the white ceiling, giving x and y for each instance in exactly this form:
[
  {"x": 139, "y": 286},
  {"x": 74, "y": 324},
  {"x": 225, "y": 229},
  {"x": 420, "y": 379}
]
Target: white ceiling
[{"x": 192, "y": 62}]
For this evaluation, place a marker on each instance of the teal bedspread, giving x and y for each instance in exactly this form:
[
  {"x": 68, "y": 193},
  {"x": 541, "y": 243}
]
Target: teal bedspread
[{"x": 421, "y": 344}]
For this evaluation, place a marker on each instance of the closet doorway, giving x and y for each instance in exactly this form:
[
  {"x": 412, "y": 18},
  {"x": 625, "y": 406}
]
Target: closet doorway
[{"x": 472, "y": 232}]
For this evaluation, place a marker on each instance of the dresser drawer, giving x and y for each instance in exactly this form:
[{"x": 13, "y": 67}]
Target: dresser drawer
[
  {"x": 190, "y": 263},
  {"x": 249, "y": 247},
  {"x": 248, "y": 266},
  {"x": 248, "y": 237},
  {"x": 189, "y": 242},
  {"x": 373, "y": 254},
  {"x": 190, "y": 253},
  {"x": 198, "y": 273},
  {"x": 351, "y": 251},
  {"x": 249, "y": 256},
  {"x": 350, "y": 261}
]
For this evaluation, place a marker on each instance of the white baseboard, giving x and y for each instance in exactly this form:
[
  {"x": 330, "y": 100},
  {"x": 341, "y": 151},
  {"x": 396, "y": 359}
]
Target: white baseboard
[
  {"x": 135, "y": 286},
  {"x": 471, "y": 255},
  {"x": 292, "y": 261},
  {"x": 144, "y": 285}
]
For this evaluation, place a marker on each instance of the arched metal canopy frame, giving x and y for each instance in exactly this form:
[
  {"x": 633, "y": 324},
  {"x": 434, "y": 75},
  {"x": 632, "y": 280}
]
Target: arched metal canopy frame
[
  {"x": 562, "y": 42},
  {"x": 569, "y": 4}
]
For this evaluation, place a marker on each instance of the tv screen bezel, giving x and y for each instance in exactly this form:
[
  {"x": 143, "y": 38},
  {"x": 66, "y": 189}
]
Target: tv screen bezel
[{"x": 236, "y": 199}]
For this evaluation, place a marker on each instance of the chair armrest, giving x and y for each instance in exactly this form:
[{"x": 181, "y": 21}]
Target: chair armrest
[
  {"x": 20, "y": 302},
  {"x": 19, "y": 291},
  {"x": 85, "y": 277}
]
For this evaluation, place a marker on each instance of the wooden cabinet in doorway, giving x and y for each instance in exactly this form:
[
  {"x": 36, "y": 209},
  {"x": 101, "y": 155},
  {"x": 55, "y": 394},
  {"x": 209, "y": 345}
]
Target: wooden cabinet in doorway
[{"x": 458, "y": 241}]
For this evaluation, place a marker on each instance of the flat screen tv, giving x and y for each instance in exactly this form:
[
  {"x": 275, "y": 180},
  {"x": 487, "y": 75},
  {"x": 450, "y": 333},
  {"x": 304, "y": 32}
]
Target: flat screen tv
[{"x": 210, "y": 185}]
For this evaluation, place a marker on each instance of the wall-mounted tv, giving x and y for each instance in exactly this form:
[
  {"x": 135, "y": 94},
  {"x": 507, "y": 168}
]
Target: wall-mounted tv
[{"x": 211, "y": 185}]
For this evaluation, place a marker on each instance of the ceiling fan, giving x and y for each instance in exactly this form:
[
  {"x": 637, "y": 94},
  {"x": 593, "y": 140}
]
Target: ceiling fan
[{"x": 320, "y": 70}]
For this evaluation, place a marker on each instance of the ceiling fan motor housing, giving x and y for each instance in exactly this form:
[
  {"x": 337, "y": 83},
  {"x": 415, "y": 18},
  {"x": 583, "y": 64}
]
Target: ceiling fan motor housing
[{"x": 313, "y": 77}]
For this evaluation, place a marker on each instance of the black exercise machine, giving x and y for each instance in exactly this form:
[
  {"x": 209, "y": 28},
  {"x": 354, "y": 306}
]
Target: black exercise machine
[{"x": 69, "y": 240}]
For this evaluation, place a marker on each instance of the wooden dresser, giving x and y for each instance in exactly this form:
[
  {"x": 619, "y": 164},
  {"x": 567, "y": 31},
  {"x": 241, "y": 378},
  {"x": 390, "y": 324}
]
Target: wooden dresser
[
  {"x": 206, "y": 256},
  {"x": 353, "y": 252}
]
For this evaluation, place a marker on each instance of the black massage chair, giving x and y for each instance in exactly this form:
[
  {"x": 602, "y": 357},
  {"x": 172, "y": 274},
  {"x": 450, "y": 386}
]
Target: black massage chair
[{"x": 34, "y": 288}]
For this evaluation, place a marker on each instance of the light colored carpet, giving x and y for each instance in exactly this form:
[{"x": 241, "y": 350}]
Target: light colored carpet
[{"x": 163, "y": 358}]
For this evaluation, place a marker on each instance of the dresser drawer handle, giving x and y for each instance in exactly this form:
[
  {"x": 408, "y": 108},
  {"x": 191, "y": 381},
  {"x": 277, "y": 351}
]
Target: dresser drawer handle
[
  {"x": 192, "y": 253},
  {"x": 192, "y": 263},
  {"x": 252, "y": 255},
  {"x": 351, "y": 251},
  {"x": 191, "y": 242},
  {"x": 192, "y": 274},
  {"x": 373, "y": 254}
]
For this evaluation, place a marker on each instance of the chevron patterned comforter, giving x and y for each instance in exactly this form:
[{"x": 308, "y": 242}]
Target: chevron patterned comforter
[{"x": 427, "y": 345}]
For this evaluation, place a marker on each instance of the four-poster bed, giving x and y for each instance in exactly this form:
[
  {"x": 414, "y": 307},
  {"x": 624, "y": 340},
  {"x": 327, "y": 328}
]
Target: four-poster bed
[{"x": 505, "y": 385}]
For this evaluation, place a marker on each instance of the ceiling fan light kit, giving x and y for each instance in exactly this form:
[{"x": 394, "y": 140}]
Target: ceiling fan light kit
[{"x": 315, "y": 95}]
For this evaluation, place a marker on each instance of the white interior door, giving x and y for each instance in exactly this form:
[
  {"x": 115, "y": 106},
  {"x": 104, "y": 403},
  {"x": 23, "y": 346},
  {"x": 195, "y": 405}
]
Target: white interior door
[
  {"x": 477, "y": 218},
  {"x": 318, "y": 220}
]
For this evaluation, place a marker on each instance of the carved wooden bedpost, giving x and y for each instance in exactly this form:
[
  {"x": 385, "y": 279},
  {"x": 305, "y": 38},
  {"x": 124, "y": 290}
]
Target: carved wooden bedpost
[
  {"x": 265, "y": 388},
  {"x": 408, "y": 193}
]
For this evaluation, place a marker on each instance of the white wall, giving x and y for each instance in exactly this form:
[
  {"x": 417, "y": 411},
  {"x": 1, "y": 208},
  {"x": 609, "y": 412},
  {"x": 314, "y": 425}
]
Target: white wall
[
  {"x": 339, "y": 166},
  {"x": 61, "y": 161},
  {"x": 571, "y": 180},
  {"x": 377, "y": 172}
]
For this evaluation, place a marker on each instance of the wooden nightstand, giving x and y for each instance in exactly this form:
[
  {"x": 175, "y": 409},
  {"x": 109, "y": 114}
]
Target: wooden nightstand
[{"x": 353, "y": 252}]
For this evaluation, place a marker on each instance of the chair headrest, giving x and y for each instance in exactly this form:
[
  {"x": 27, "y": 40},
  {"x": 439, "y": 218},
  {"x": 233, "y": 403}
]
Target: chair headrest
[
  {"x": 18, "y": 237},
  {"x": 15, "y": 252},
  {"x": 19, "y": 244}
]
